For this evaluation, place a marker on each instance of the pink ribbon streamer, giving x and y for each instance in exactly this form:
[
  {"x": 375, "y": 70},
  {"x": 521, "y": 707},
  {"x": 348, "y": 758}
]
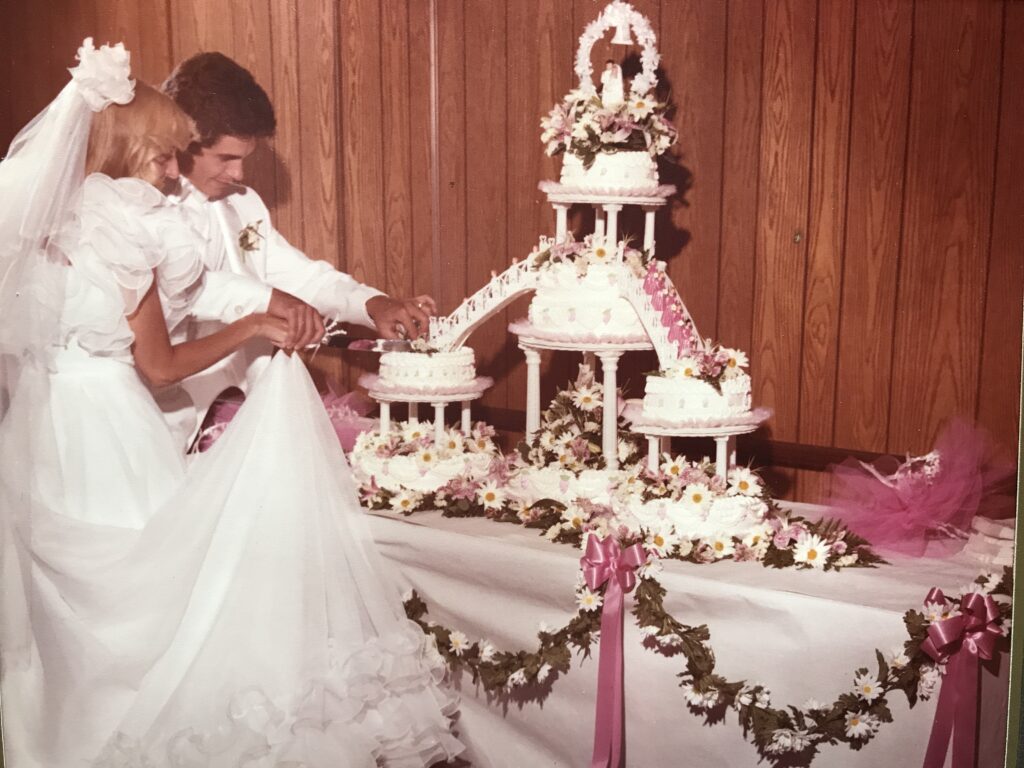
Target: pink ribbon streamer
[
  {"x": 961, "y": 642},
  {"x": 605, "y": 561}
]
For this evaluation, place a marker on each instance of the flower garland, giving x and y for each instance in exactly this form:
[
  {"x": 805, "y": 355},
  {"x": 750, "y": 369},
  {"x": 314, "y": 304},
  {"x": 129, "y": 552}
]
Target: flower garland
[{"x": 853, "y": 718}]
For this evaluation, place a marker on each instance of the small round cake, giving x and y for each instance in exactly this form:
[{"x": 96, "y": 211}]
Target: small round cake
[
  {"x": 414, "y": 371},
  {"x": 585, "y": 307},
  {"x": 632, "y": 171},
  {"x": 683, "y": 398}
]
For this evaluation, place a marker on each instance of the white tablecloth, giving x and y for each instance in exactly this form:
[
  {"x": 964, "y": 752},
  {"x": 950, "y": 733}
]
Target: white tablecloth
[{"x": 801, "y": 633}]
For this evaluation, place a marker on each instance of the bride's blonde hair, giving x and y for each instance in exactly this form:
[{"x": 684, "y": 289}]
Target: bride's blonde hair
[{"x": 125, "y": 138}]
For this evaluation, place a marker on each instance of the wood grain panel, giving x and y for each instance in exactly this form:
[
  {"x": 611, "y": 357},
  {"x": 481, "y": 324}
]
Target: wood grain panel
[
  {"x": 397, "y": 205},
  {"x": 695, "y": 34},
  {"x": 156, "y": 54},
  {"x": 741, "y": 145},
  {"x": 486, "y": 170},
  {"x": 825, "y": 234},
  {"x": 999, "y": 387},
  {"x": 782, "y": 215},
  {"x": 287, "y": 143},
  {"x": 873, "y": 223},
  {"x": 253, "y": 48},
  {"x": 318, "y": 168},
  {"x": 543, "y": 39},
  {"x": 421, "y": 138},
  {"x": 451, "y": 127},
  {"x": 947, "y": 208},
  {"x": 201, "y": 26}
]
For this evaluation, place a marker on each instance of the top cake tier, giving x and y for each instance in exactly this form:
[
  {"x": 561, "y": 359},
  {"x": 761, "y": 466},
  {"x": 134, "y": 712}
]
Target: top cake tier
[{"x": 609, "y": 135}]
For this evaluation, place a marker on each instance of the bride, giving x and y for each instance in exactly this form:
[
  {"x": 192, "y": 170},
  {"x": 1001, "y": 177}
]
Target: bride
[{"x": 227, "y": 612}]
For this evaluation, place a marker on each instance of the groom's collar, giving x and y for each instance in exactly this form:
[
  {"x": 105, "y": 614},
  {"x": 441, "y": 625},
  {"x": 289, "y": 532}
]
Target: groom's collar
[{"x": 187, "y": 191}]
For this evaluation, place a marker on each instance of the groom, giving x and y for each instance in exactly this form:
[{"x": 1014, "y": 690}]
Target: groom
[{"x": 258, "y": 270}]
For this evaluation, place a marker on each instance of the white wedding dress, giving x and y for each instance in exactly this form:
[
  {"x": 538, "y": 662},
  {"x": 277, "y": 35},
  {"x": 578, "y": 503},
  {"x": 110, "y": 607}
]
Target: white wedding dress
[{"x": 231, "y": 611}]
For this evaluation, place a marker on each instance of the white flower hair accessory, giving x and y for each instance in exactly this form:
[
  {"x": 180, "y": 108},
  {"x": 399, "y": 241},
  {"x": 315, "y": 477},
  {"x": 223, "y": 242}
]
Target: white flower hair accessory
[{"x": 103, "y": 76}]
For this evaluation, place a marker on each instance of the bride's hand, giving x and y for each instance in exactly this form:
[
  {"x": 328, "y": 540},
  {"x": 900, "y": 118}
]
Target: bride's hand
[{"x": 274, "y": 329}]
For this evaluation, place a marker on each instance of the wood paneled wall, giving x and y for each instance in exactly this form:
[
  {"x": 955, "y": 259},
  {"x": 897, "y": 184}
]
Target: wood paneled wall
[{"x": 852, "y": 174}]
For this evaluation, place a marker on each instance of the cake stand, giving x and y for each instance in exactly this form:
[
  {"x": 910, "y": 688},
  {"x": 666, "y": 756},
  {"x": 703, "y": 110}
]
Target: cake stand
[
  {"x": 438, "y": 398},
  {"x": 724, "y": 435},
  {"x": 606, "y": 203},
  {"x": 608, "y": 351}
]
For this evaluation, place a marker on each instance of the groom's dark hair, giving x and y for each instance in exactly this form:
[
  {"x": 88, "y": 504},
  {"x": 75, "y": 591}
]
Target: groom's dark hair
[{"x": 222, "y": 97}]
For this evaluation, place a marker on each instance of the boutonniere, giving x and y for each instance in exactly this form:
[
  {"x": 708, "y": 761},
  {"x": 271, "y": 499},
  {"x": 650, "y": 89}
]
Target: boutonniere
[{"x": 249, "y": 237}]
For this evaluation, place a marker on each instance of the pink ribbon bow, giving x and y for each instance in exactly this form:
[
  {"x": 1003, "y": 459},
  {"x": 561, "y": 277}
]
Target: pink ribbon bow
[
  {"x": 605, "y": 561},
  {"x": 961, "y": 642}
]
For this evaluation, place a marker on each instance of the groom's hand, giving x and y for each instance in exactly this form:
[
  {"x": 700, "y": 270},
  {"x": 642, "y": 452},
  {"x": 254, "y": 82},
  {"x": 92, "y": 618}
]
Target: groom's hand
[
  {"x": 401, "y": 318},
  {"x": 305, "y": 326}
]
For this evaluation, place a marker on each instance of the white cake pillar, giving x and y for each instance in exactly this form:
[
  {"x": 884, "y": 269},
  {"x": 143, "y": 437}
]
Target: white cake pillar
[
  {"x": 653, "y": 455},
  {"x": 532, "y": 392},
  {"x": 385, "y": 418},
  {"x": 598, "y": 221},
  {"x": 649, "y": 229},
  {"x": 438, "y": 423},
  {"x": 414, "y": 412},
  {"x": 467, "y": 422},
  {"x": 609, "y": 426},
  {"x": 612, "y": 234},
  {"x": 722, "y": 446},
  {"x": 561, "y": 221}
]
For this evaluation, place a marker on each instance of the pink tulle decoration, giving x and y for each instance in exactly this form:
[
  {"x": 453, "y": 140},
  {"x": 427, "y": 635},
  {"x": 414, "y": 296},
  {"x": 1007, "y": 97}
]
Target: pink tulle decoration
[
  {"x": 348, "y": 414},
  {"x": 924, "y": 506},
  {"x": 651, "y": 279},
  {"x": 658, "y": 300},
  {"x": 670, "y": 315}
]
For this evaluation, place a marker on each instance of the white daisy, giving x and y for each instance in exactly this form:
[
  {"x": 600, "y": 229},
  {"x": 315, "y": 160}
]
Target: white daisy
[
  {"x": 758, "y": 536},
  {"x": 588, "y": 601},
  {"x": 405, "y": 501},
  {"x": 737, "y": 360},
  {"x": 860, "y": 725},
  {"x": 544, "y": 673},
  {"x": 517, "y": 678},
  {"x": 699, "y": 699},
  {"x": 661, "y": 539},
  {"x": 743, "y": 482},
  {"x": 491, "y": 496},
  {"x": 847, "y": 560},
  {"x": 640, "y": 107},
  {"x": 575, "y": 516},
  {"x": 426, "y": 458},
  {"x": 931, "y": 674},
  {"x": 547, "y": 441},
  {"x": 937, "y": 611},
  {"x": 458, "y": 642},
  {"x": 684, "y": 547},
  {"x": 673, "y": 466},
  {"x": 586, "y": 398},
  {"x": 867, "y": 687},
  {"x": 788, "y": 740},
  {"x": 898, "y": 659},
  {"x": 722, "y": 545},
  {"x": 414, "y": 430},
  {"x": 811, "y": 705},
  {"x": 684, "y": 368},
  {"x": 811, "y": 550},
  {"x": 601, "y": 253},
  {"x": 487, "y": 650},
  {"x": 697, "y": 497},
  {"x": 452, "y": 442}
]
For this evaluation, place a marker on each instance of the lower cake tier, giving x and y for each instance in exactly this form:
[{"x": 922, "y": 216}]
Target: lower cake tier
[
  {"x": 677, "y": 399},
  {"x": 584, "y": 306},
  {"x": 427, "y": 370},
  {"x": 616, "y": 170}
]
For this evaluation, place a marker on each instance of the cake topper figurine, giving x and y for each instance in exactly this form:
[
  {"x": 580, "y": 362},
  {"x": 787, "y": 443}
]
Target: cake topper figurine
[{"x": 612, "y": 93}]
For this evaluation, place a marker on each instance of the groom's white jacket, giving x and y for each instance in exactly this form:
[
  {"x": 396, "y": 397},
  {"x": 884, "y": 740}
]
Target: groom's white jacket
[{"x": 238, "y": 282}]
